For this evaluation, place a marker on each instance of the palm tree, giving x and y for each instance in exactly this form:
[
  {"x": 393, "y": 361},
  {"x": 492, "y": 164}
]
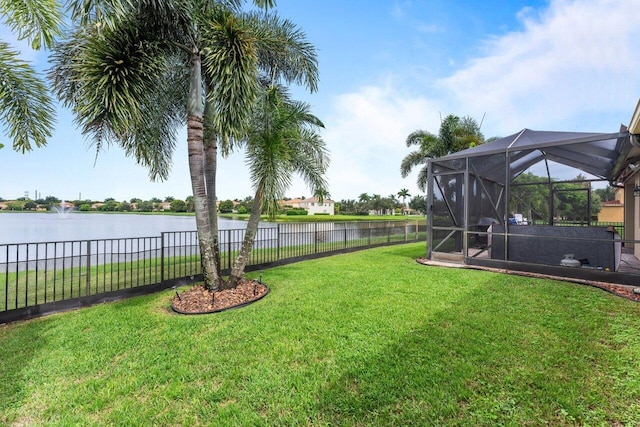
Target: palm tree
[
  {"x": 282, "y": 141},
  {"x": 364, "y": 197},
  {"x": 25, "y": 105},
  {"x": 135, "y": 72},
  {"x": 321, "y": 194},
  {"x": 404, "y": 193},
  {"x": 455, "y": 134}
]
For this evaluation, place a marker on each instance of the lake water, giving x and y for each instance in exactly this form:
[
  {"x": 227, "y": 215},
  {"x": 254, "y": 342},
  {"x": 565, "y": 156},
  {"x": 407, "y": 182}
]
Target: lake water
[{"x": 46, "y": 227}]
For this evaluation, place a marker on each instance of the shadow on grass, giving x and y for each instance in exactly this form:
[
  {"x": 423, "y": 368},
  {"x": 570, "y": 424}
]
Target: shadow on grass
[
  {"x": 476, "y": 363},
  {"x": 20, "y": 346}
]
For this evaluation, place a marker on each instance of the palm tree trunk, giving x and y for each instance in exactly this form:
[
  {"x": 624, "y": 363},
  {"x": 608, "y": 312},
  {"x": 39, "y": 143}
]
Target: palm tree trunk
[
  {"x": 210, "y": 170},
  {"x": 195, "y": 138},
  {"x": 247, "y": 244}
]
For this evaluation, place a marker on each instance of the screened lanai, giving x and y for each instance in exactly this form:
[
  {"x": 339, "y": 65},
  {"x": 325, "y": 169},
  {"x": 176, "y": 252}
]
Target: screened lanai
[{"x": 526, "y": 202}]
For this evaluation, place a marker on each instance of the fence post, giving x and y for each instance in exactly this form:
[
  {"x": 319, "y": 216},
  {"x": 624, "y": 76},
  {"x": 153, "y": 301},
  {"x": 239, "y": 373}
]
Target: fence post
[
  {"x": 162, "y": 257},
  {"x": 278, "y": 243},
  {"x": 315, "y": 236},
  {"x": 88, "y": 267},
  {"x": 345, "y": 236},
  {"x": 229, "y": 250}
]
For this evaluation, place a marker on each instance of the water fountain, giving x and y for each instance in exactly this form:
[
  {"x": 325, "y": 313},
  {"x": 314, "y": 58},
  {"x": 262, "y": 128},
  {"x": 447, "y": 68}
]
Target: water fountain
[{"x": 62, "y": 210}]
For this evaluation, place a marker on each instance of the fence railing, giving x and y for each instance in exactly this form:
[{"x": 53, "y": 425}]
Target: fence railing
[{"x": 44, "y": 277}]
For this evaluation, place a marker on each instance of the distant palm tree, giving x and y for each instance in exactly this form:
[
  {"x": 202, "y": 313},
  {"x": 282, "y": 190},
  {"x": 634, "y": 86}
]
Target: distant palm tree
[
  {"x": 455, "y": 134},
  {"x": 404, "y": 193},
  {"x": 364, "y": 198},
  {"x": 281, "y": 141},
  {"x": 321, "y": 195},
  {"x": 25, "y": 105}
]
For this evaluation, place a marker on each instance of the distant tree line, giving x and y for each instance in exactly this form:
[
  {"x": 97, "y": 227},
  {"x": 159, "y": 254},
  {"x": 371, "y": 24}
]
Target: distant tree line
[
  {"x": 365, "y": 204},
  {"x": 377, "y": 205},
  {"x": 571, "y": 200}
]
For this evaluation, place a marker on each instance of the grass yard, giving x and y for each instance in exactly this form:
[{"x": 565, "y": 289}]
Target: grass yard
[{"x": 367, "y": 338}]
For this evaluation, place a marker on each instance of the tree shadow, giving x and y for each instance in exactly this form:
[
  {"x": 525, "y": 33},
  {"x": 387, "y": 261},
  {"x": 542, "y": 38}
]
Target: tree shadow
[
  {"x": 19, "y": 346},
  {"x": 477, "y": 363}
]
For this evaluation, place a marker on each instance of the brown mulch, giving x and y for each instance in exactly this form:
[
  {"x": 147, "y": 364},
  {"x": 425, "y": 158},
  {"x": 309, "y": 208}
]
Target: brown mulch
[
  {"x": 624, "y": 291},
  {"x": 199, "y": 300},
  {"x": 620, "y": 290}
]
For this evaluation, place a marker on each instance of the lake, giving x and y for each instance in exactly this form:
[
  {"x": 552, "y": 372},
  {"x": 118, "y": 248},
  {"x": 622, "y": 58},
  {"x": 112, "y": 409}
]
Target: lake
[{"x": 20, "y": 227}]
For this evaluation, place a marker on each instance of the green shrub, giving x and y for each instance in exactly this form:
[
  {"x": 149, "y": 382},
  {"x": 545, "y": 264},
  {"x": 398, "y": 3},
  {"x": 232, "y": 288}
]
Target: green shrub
[{"x": 296, "y": 212}]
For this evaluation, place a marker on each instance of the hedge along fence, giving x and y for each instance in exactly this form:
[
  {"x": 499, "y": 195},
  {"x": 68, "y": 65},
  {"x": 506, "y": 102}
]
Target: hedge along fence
[{"x": 46, "y": 277}]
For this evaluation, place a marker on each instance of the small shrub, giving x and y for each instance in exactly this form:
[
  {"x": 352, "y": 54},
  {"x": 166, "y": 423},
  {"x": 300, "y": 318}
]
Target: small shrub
[{"x": 296, "y": 212}]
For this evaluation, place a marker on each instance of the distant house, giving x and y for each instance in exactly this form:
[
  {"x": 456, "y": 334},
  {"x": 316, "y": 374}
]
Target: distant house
[
  {"x": 311, "y": 205},
  {"x": 164, "y": 206},
  {"x": 613, "y": 210}
]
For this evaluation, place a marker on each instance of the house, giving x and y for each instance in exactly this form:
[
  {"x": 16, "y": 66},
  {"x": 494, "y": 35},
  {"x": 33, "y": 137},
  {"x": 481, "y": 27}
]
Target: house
[
  {"x": 312, "y": 205},
  {"x": 164, "y": 206},
  {"x": 630, "y": 177},
  {"x": 613, "y": 210}
]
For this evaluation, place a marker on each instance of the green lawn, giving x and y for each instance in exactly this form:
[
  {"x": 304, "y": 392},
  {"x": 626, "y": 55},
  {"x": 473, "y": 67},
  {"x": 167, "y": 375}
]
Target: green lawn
[
  {"x": 367, "y": 338},
  {"x": 332, "y": 218}
]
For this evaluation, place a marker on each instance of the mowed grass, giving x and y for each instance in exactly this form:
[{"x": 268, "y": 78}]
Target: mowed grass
[{"x": 367, "y": 338}]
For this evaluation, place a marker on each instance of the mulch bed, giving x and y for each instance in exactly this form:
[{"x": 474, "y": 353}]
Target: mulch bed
[
  {"x": 624, "y": 291},
  {"x": 199, "y": 300},
  {"x": 620, "y": 290}
]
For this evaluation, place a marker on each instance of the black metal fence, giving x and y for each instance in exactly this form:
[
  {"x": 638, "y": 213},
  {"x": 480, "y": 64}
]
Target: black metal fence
[{"x": 45, "y": 277}]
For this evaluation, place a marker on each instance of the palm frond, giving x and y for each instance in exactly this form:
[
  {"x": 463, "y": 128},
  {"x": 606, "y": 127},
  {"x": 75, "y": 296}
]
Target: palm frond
[
  {"x": 105, "y": 75},
  {"x": 25, "y": 106},
  {"x": 153, "y": 141},
  {"x": 410, "y": 161},
  {"x": 423, "y": 178},
  {"x": 284, "y": 51},
  {"x": 35, "y": 20},
  {"x": 230, "y": 65},
  {"x": 419, "y": 137}
]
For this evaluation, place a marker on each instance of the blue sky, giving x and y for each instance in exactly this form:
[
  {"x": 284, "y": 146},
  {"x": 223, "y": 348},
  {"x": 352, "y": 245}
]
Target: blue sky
[{"x": 388, "y": 68}]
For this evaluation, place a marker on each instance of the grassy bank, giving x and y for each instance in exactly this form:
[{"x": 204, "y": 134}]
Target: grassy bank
[{"x": 368, "y": 338}]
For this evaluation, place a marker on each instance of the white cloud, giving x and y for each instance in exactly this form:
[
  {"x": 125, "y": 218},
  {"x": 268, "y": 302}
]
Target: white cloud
[
  {"x": 366, "y": 136},
  {"x": 572, "y": 67},
  {"x": 577, "y": 59}
]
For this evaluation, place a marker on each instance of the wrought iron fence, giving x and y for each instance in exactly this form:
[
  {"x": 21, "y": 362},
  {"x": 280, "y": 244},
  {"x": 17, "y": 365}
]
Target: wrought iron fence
[{"x": 44, "y": 277}]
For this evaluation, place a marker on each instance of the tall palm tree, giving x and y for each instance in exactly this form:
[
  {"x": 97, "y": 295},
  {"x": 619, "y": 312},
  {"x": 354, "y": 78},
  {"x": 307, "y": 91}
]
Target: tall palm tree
[
  {"x": 281, "y": 141},
  {"x": 135, "y": 72},
  {"x": 403, "y": 194},
  {"x": 26, "y": 108},
  {"x": 455, "y": 134}
]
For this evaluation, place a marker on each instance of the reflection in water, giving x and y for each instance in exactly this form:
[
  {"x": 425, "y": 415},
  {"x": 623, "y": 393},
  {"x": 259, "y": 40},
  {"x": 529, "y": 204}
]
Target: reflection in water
[{"x": 49, "y": 227}]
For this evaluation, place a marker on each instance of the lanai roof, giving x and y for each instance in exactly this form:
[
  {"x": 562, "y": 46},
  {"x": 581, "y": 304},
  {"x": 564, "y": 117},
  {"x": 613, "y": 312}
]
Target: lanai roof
[{"x": 600, "y": 154}]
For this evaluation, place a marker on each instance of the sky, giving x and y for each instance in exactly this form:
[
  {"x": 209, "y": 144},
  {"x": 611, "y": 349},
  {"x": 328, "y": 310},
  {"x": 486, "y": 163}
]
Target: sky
[{"x": 388, "y": 68}]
